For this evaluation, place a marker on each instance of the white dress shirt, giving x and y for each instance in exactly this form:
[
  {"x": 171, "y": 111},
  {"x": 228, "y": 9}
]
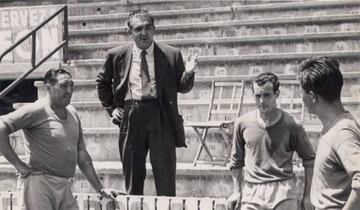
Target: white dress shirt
[{"x": 135, "y": 84}]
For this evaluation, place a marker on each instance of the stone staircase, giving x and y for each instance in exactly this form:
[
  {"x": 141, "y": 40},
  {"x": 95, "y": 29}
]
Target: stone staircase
[{"x": 234, "y": 41}]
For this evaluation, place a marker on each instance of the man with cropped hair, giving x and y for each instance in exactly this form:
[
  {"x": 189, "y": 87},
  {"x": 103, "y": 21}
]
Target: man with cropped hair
[
  {"x": 262, "y": 152},
  {"x": 138, "y": 86},
  {"x": 54, "y": 145},
  {"x": 336, "y": 180}
]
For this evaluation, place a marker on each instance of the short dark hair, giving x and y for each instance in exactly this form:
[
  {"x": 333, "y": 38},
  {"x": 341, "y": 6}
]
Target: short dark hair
[
  {"x": 142, "y": 13},
  {"x": 322, "y": 76},
  {"x": 51, "y": 74},
  {"x": 265, "y": 77}
]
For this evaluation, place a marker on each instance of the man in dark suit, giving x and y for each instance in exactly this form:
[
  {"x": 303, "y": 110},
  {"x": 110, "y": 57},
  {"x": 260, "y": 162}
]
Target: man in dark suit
[{"x": 138, "y": 86}]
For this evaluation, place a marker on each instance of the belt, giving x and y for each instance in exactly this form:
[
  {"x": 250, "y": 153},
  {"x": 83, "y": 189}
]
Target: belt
[{"x": 140, "y": 102}]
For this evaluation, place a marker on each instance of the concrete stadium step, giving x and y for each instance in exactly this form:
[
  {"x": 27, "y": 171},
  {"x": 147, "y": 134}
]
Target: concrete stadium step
[
  {"x": 200, "y": 181},
  {"x": 11, "y": 71},
  {"x": 82, "y": 7},
  {"x": 222, "y": 66},
  {"x": 85, "y": 90},
  {"x": 235, "y": 11},
  {"x": 279, "y": 63},
  {"x": 252, "y": 27},
  {"x": 161, "y": 17},
  {"x": 16, "y": 3},
  {"x": 308, "y": 42},
  {"x": 122, "y": 6},
  {"x": 296, "y": 9},
  {"x": 102, "y": 144},
  {"x": 202, "y": 88},
  {"x": 196, "y": 110}
]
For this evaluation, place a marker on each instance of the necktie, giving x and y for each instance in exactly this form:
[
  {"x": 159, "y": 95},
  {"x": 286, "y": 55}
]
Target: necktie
[{"x": 145, "y": 77}]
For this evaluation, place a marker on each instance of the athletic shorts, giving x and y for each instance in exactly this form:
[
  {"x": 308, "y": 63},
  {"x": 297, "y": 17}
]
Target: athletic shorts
[
  {"x": 40, "y": 191},
  {"x": 279, "y": 195}
]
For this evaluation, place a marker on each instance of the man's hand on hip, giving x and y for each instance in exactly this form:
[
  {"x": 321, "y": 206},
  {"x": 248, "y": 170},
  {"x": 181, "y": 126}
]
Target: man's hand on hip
[
  {"x": 117, "y": 115},
  {"x": 23, "y": 170}
]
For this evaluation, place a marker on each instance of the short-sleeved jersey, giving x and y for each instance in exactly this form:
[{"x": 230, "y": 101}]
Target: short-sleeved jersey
[
  {"x": 51, "y": 144},
  {"x": 266, "y": 152},
  {"x": 337, "y": 163}
]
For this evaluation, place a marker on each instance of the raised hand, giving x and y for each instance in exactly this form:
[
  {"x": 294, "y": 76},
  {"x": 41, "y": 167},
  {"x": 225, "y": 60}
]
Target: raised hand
[{"x": 191, "y": 63}]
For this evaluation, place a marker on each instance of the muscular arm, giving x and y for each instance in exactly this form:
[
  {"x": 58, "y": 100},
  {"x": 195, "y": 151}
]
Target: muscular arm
[
  {"x": 236, "y": 167},
  {"x": 349, "y": 154},
  {"x": 86, "y": 166},
  {"x": 9, "y": 153},
  {"x": 234, "y": 201},
  {"x": 237, "y": 179},
  {"x": 303, "y": 147},
  {"x": 308, "y": 178},
  {"x": 306, "y": 203}
]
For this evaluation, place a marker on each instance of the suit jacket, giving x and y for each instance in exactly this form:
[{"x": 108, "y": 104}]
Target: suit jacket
[{"x": 170, "y": 77}]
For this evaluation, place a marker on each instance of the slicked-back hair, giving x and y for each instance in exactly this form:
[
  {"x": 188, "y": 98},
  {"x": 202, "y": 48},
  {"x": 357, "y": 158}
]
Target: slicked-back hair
[
  {"x": 265, "y": 77},
  {"x": 140, "y": 13},
  {"x": 51, "y": 75},
  {"x": 322, "y": 76}
]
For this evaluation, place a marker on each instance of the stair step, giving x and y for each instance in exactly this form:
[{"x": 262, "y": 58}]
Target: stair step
[
  {"x": 161, "y": 17},
  {"x": 199, "y": 181},
  {"x": 85, "y": 90},
  {"x": 113, "y": 7},
  {"x": 294, "y": 25},
  {"x": 234, "y": 65},
  {"x": 102, "y": 144},
  {"x": 295, "y": 9},
  {"x": 239, "y": 9},
  {"x": 17, "y": 3},
  {"x": 311, "y": 42},
  {"x": 11, "y": 71},
  {"x": 235, "y": 11},
  {"x": 194, "y": 110}
]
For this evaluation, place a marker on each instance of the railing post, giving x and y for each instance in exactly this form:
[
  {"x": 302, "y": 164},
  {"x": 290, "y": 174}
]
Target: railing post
[
  {"x": 33, "y": 49},
  {"x": 88, "y": 202},
  {"x": 66, "y": 36},
  {"x": 11, "y": 203}
]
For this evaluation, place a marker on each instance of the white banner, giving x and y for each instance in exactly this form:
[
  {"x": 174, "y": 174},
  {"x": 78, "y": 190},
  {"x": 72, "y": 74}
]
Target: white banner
[{"x": 15, "y": 22}]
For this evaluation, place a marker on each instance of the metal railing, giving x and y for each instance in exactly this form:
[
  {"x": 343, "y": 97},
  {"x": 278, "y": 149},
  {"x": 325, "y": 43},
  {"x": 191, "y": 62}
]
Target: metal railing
[
  {"x": 34, "y": 64},
  {"x": 8, "y": 200}
]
